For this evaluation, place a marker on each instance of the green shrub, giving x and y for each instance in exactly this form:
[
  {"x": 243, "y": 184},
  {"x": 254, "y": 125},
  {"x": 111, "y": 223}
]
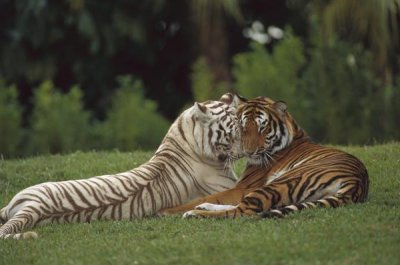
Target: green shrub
[
  {"x": 132, "y": 122},
  {"x": 203, "y": 85},
  {"x": 391, "y": 99},
  {"x": 99, "y": 136},
  {"x": 59, "y": 123},
  {"x": 10, "y": 121},
  {"x": 275, "y": 75},
  {"x": 345, "y": 101},
  {"x": 335, "y": 97}
]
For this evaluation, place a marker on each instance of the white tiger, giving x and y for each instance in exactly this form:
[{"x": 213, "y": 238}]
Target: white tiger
[{"x": 190, "y": 162}]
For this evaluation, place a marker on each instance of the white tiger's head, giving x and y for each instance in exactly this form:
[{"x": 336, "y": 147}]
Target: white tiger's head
[{"x": 216, "y": 130}]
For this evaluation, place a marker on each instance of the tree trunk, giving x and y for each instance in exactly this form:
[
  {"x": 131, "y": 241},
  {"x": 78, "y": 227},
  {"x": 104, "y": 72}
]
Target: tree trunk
[{"x": 213, "y": 46}]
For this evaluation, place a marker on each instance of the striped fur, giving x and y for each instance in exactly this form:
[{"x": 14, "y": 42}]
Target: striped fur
[
  {"x": 286, "y": 172},
  {"x": 190, "y": 162}
]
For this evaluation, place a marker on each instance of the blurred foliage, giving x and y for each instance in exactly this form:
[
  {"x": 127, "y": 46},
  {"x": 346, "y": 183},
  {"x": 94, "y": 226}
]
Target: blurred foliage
[
  {"x": 349, "y": 108},
  {"x": 132, "y": 121},
  {"x": 274, "y": 74},
  {"x": 336, "y": 97},
  {"x": 210, "y": 18},
  {"x": 337, "y": 67},
  {"x": 376, "y": 23},
  {"x": 203, "y": 83},
  {"x": 10, "y": 120},
  {"x": 91, "y": 43},
  {"x": 59, "y": 123}
]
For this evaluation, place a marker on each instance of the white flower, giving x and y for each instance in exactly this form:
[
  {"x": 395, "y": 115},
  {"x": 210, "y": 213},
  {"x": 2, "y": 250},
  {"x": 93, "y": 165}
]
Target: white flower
[
  {"x": 275, "y": 32},
  {"x": 256, "y": 33}
]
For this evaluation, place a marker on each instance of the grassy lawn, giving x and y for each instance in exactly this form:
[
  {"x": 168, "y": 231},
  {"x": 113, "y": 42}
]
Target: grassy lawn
[{"x": 357, "y": 234}]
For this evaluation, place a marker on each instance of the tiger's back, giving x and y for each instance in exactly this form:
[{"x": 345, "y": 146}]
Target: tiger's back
[{"x": 320, "y": 172}]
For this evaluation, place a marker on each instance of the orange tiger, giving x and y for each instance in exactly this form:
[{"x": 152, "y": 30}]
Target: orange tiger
[{"x": 286, "y": 171}]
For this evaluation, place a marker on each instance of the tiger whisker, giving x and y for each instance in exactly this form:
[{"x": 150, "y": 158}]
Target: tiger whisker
[
  {"x": 228, "y": 163},
  {"x": 265, "y": 161},
  {"x": 231, "y": 161},
  {"x": 270, "y": 157}
]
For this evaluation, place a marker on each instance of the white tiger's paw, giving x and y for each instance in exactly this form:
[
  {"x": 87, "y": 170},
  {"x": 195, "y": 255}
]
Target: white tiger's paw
[{"x": 214, "y": 207}]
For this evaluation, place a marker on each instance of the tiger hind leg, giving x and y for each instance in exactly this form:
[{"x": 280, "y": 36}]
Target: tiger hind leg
[
  {"x": 3, "y": 216},
  {"x": 15, "y": 225},
  {"x": 327, "y": 202}
]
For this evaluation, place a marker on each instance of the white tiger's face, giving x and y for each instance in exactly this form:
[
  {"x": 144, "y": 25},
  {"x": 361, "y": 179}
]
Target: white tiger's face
[{"x": 220, "y": 135}]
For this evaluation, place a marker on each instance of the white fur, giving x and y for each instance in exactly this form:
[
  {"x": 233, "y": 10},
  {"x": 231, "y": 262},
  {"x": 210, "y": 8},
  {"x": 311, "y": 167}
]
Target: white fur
[
  {"x": 275, "y": 176},
  {"x": 214, "y": 207},
  {"x": 170, "y": 178},
  {"x": 189, "y": 214}
]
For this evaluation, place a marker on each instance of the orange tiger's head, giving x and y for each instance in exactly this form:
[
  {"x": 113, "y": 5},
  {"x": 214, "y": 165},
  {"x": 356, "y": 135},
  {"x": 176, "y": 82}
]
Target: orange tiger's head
[{"x": 266, "y": 128}]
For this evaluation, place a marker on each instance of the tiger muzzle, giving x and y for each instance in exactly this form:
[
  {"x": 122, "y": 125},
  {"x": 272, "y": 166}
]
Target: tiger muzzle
[{"x": 252, "y": 140}]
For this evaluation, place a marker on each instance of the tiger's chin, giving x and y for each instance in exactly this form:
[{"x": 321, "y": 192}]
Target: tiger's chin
[
  {"x": 229, "y": 157},
  {"x": 258, "y": 160},
  {"x": 222, "y": 157}
]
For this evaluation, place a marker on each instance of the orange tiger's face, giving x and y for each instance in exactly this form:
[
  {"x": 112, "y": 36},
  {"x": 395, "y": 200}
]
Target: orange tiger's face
[{"x": 265, "y": 128}]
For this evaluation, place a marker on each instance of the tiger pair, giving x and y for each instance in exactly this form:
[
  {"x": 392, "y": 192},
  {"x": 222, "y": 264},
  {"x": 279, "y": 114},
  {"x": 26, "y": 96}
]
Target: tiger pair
[{"x": 285, "y": 172}]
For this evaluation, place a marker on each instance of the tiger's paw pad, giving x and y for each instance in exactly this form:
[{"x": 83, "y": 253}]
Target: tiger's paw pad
[{"x": 214, "y": 207}]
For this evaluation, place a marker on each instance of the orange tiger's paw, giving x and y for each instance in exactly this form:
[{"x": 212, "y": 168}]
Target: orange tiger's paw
[{"x": 194, "y": 214}]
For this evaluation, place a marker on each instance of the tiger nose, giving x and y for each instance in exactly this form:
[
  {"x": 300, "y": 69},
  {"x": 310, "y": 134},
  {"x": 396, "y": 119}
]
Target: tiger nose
[
  {"x": 250, "y": 146},
  {"x": 250, "y": 152}
]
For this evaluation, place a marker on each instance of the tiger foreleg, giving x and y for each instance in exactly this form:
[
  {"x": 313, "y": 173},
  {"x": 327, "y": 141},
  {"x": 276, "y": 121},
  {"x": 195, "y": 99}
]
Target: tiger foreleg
[
  {"x": 214, "y": 207},
  {"x": 228, "y": 197},
  {"x": 232, "y": 213},
  {"x": 181, "y": 208},
  {"x": 197, "y": 205},
  {"x": 255, "y": 202},
  {"x": 327, "y": 202}
]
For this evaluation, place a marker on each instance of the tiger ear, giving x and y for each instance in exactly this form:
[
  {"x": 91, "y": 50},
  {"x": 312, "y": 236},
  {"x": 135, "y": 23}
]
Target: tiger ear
[
  {"x": 281, "y": 107},
  {"x": 267, "y": 100},
  {"x": 201, "y": 111},
  {"x": 233, "y": 99}
]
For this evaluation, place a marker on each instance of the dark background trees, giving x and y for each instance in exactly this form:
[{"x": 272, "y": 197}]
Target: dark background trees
[{"x": 336, "y": 64}]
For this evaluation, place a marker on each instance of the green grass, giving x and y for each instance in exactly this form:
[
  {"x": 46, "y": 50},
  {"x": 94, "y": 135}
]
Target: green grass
[{"x": 356, "y": 234}]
